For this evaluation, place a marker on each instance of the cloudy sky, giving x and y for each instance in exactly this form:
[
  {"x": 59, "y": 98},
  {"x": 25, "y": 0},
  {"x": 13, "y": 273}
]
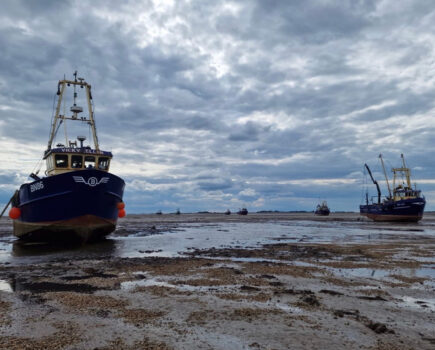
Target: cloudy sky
[{"x": 209, "y": 105}]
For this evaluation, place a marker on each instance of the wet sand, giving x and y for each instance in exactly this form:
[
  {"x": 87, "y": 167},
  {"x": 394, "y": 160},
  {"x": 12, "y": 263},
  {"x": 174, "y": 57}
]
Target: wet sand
[{"x": 370, "y": 287}]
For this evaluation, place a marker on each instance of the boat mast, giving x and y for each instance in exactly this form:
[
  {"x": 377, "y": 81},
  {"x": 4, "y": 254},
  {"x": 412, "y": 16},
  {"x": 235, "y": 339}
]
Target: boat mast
[
  {"x": 58, "y": 119},
  {"x": 54, "y": 126},
  {"x": 385, "y": 173},
  {"x": 91, "y": 115}
]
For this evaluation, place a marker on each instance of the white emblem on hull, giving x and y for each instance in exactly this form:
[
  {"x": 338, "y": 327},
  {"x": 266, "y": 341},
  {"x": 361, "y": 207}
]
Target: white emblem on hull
[{"x": 92, "y": 181}]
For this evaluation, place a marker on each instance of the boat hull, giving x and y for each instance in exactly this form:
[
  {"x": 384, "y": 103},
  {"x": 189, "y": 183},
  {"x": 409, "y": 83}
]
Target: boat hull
[
  {"x": 86, "y": 228},
  {"x": 406, "y": 210},
  {"x": 78, "y": 205},
  {"x": 322, "y": 212}
]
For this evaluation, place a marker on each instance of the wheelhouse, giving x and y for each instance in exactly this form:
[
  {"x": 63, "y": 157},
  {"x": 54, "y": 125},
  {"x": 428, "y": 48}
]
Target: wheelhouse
[{"x": 65, "y": 159}]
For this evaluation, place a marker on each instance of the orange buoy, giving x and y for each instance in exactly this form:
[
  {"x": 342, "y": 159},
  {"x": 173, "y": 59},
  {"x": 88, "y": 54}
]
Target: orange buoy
[
  {"x": 121, "y": 213},
  {"x": 120, "y": 205},
  {"x": 14, "y": 213}
]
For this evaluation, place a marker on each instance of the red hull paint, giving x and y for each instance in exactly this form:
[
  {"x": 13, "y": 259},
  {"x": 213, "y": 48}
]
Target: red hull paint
[
  {"x": 401, "y": 218},
  {"x": 83, "y": 229}
]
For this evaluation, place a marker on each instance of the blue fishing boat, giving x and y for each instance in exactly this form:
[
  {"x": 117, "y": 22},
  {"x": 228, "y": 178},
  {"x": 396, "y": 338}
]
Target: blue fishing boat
[
  {"x": 78, "y": 198},
  {"x": 243, "y": 211},
  {"x": 322, "y": 209},
  {"x": 403, "y": 202}
]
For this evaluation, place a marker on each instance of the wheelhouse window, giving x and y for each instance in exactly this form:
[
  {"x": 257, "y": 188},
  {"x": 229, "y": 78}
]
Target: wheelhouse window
[
  {"x": 103, "y": 163},
  {"x": 76, "y": 161},
  {"x": 89, "y": 162},
  {"x": 61, "y": 160},
  {"x": 49, "y": 163}
]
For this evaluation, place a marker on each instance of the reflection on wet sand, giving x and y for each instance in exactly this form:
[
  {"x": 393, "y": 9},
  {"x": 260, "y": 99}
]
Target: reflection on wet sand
[
  {"x": 104, "y": 247},
  {"x": 5, "y": 286}
]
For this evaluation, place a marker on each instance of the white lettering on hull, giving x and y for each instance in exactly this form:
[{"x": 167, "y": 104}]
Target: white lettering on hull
[{"x": 36, "y": 186}]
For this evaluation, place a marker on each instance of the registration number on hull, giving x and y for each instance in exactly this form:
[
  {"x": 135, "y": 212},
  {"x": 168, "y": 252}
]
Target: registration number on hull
[{"x": 36, "y": 186}]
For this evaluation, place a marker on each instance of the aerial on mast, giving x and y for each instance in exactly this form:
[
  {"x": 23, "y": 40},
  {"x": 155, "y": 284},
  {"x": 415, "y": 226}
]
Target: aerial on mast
[{"x": 76, "y": 109}]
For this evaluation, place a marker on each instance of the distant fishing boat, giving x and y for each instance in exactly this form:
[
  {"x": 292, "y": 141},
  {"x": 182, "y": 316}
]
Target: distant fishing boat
[
  {"x": 78, "y": 199},
  {"x": 403, "y": 203},
  {"x": 322, "y": 209},
  {"x": 158, "y": 212},
  {"x": 228, "y": 212},
  {"x": 243, "y": 211}
]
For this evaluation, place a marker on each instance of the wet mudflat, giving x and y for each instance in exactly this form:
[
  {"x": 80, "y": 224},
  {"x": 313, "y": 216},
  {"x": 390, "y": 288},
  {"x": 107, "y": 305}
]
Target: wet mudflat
[{"x": 209, "y": 281}]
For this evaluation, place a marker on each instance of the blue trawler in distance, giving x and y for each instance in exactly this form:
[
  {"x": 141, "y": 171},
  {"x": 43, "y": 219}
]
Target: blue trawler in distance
[
  {"x": 243, "y": 211},
  {"x": 78, "y": 199},
  {"x": 403, "y": 203},
  {"x": 322, "y": 209}
]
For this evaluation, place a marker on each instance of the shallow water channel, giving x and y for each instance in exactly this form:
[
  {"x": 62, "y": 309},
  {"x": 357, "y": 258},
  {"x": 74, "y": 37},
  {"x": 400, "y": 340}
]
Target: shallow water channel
[{"x": 136, "y": 239}]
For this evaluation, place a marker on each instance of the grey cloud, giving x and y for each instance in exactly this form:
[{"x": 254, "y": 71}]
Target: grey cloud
[
  {"x": 215, "y": 184},
  {"x": 247, "y": 132},
  {"x": 311, "y": 21}
]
